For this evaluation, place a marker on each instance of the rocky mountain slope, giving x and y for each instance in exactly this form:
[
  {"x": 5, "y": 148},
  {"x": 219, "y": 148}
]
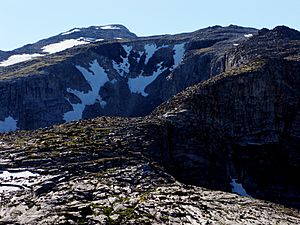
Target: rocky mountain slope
[
  {"x": 115, "y": 78},
  {"x": 236, "y": 131}
]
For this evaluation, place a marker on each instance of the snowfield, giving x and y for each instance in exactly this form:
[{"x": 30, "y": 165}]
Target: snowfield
[
  {"x": 179, "y": 50},
  {"x": 138, "y": 84},
  {"x": 238, "y": 188},
  {"x": 63, "y": 45},
  {"x": 22, "y": 174},
  {"x": 109, "y": 27},
  {"x": 248, "y": 35},
  {"x": 150, "y": 49},
  {"x": 14, "y": 59},
  {"x": 96, "y": 79},
  {"x": 123, "y": 67},
  {"x": 14, "y": 181},
  {"x": 9, "y": 124},
  {"x": 71, "y": 31}
]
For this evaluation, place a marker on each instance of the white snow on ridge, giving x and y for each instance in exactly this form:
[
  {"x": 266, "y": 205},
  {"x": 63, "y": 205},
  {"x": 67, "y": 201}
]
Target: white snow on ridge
[
  {"x": 248, "y": 35},
  {"x": 63, "y": 45},
  {"x": 88, "y": 39},
  {"x": 96, "y": 79},
  {"x": 138, "y": 84},
  {"x": 9, "y": 124},
  {"x": 71, "y": 31},
  {"x": 179, "y": 54},
  {"x": 48, "y": 49},
  {"x": 14, "y": 59},
  {"x": 109, "y": 27},
  {"x": 123, "y": 67},
  {"x": 238, "y": 188}
]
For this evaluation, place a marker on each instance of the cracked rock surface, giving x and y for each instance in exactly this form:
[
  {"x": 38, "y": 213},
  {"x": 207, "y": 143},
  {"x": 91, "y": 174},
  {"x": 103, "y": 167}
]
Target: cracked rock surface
[{"x": 96, "y": 172}]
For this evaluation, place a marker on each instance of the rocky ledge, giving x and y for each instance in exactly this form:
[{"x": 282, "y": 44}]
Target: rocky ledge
[{"x": 99, "y": 172}]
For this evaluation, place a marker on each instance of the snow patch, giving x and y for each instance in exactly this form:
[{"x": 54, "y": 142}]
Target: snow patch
[
  {"x": 179, "y": 50},
  {"x": 9, "y": 124},
  {"x": 100, "y": 39},
  {"x": 23, "y": 174},
  {"x": 113, "y": 81},
  {"x": 109, "y": 27},
  {"x": 174, "y": 112},
  {"x": 139, "y": 57},
  {"x": 248, "y": 35},
  {"x": 123, "y": 67},
  {"x": 96, "y": 77},
  {"x": 150, "y": 49},
  {"x": 14, "y": 181},
  {"x": 71, "y": 31},
  {"x": 85, "y": 39},
  {"x": 138, "y": 84},
  {"x": 238, "y": 188},
  {"x": 9, "y": 189},
  {"x": 18, "y": 58},
  {"x": 63, "y": 45},
  {"x": 88, "y": 39}
]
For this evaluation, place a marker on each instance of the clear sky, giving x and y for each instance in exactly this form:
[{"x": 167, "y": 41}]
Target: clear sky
[{"x": 27, "y": 21}]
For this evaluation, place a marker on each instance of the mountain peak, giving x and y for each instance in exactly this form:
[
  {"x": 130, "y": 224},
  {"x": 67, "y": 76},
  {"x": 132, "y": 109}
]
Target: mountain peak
[
  {"x": 281, "y": 32},
  {"x": 106, "y": 30},
  {"x": 101, "y": 27},
  {"x": 73, "y": 37}
]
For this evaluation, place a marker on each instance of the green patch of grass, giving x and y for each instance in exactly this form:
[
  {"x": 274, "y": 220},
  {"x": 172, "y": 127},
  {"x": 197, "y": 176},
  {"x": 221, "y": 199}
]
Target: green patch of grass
[
  {"x": 127, "y": 213},
  {"x": 107, "y": 211}
]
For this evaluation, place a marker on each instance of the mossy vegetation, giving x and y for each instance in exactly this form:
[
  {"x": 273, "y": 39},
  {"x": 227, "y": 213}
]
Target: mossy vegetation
[{"x": 33, "y": 67}]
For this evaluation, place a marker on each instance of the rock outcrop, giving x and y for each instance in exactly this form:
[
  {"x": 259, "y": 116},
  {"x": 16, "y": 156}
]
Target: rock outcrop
[{"x": 254, "y": 112}]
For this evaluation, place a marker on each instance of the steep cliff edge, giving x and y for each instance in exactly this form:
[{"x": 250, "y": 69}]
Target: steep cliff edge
[{"x": 255, "y": 111}]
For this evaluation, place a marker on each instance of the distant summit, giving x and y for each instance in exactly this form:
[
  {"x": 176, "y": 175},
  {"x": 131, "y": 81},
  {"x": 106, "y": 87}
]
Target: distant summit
[
  {"x": 111, "y": 31},
  {"x": 280, "y": 32},
  {"x": 63, "y": 41}
]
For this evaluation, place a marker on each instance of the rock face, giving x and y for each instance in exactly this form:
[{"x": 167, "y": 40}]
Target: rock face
[
  {"x": 115, "y": 78},
  {"x": 99, "y": 172},
  {"x": 254, "y": 111}
]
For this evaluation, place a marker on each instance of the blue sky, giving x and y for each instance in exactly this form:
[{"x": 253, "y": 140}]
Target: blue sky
[{"x": 27, "y": 21}]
